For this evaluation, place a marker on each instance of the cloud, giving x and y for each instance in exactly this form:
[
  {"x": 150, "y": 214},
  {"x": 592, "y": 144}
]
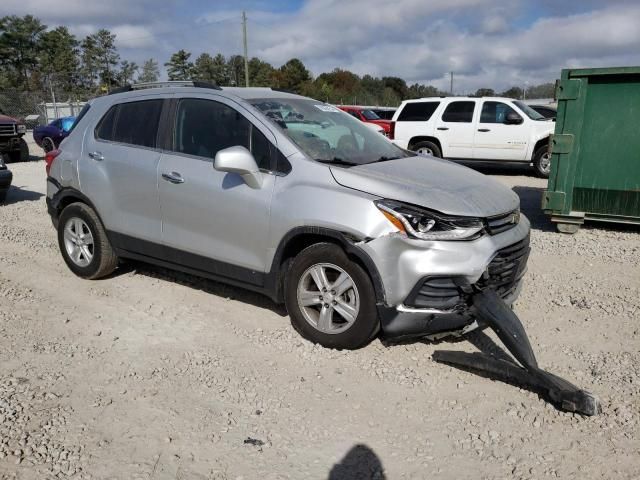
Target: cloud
[{"x": 487, "y": 43}]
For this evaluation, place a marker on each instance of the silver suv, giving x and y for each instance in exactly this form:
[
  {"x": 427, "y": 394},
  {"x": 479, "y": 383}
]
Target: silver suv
[{"x": 286, "y": 196}]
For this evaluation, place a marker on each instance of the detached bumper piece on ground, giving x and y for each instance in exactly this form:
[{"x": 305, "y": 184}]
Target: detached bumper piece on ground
[{"x": 491, "y": 311}]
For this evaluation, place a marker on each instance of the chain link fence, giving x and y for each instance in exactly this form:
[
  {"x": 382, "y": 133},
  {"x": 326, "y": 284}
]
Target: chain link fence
[{"x": 40, "y": 107}]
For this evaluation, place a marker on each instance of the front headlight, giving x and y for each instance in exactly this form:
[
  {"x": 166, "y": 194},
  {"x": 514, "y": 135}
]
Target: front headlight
[
  {"x": 21, "y": 128},
  {"x": 2, "y": 164},
  {"x": 423, "y": 224}
]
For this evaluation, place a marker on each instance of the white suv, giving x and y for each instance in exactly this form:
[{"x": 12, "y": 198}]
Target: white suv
[{"x": 475, "y": 129}]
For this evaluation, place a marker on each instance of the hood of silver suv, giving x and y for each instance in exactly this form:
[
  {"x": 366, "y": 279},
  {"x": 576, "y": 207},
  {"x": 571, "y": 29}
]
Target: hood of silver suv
[{"x": 431, "y": 183}]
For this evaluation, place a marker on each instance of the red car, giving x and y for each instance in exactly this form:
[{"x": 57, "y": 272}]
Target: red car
[{"x": 367, "y": 115}]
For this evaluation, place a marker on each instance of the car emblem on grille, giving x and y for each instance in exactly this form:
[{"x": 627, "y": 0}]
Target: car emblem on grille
[{"x": 515, "y": 217}]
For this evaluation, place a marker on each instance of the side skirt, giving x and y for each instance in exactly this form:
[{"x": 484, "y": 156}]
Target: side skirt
[{"x": 174, "y": 259}]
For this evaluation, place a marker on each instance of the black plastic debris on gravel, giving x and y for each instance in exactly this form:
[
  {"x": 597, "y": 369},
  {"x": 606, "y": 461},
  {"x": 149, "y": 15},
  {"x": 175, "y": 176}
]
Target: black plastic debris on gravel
[{"x": 253, "y": 441}]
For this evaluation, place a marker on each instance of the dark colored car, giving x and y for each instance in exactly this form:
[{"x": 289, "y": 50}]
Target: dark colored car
[
  {"x": 546, "y": 111},
  {"x": 5, "y": 179},
  {"x": 385, "y": 113},
  {"x": 368, "y": 116},
  {"x": 49, "y": 136},
  {"x": 11, "y": 142}
]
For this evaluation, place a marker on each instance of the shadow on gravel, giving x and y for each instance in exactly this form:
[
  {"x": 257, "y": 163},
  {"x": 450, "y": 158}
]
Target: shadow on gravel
[
  {"x": 491, "y": 362},
  {"x": 496, "y": 169},
  {"x": 208, "y": 286},
  {"x": 360, "y": 462},
  {"x": 531, "y": 206},
  {"x": 19, "y": 194}
]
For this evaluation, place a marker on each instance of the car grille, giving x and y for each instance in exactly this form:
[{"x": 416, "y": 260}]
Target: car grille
[
  {"x": 435, "y": 292},
  {"x": 448, "y": 293},
  {"x": 507, "y": 268},
  {"x": 7, "y": 129},
  {"x": 501, "y": 223}
]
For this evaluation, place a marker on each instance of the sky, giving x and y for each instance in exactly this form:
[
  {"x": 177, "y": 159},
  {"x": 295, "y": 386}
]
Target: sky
[{"x": 486, "y": 43}]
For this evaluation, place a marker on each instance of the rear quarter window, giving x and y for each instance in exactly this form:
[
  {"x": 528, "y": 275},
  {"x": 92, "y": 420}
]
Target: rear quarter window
[{"x": 417, "y": 111}]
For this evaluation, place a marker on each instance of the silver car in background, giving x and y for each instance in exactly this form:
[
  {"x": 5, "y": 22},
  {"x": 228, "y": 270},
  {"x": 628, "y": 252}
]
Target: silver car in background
[{"x": 286, "y": 196}]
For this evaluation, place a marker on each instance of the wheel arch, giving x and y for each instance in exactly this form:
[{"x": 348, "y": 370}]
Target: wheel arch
[
  {"x": 544, "y": 141},
  {"x": 66, "y": 196},
  {"x": 424, "y": 138},
  {"x": 300, "y": 238}
]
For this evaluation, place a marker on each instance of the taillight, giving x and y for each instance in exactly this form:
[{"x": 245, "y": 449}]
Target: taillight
[
  {"x": 392, "y": 130},
  {"x": 49, "y": 157}
]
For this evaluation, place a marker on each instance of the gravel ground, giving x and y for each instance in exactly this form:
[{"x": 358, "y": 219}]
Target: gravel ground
[{"x": 151, "y": 374}]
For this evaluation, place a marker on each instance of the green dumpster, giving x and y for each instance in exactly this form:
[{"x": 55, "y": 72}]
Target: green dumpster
[{"x": 595, "y": 150}]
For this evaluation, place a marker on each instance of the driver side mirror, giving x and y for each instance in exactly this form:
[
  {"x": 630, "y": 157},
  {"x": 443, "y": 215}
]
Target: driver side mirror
[
  {"x": 239, "y": 160},
  {"x": 513, "y": 119}
]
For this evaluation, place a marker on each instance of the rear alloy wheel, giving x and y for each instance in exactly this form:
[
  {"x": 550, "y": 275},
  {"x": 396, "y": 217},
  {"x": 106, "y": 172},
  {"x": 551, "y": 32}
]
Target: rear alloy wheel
[
  {"x": 427, "y": 148},
  {"x": 542, "y": 162},
  {"x": 48, "y": 145},
  {"x": 84, "y": 244},
  {"x": 330, "y": 298}
]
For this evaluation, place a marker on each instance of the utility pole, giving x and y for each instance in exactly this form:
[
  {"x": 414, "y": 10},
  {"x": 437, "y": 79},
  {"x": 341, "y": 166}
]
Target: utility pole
[
  {"x": 53, "y": 98},
  {"x": 451, "y": 89},
  {"x": 244, "y": 41}
]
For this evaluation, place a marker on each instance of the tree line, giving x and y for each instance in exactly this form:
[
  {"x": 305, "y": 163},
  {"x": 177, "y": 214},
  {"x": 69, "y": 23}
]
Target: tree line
[{"x": 35, "y": 57}]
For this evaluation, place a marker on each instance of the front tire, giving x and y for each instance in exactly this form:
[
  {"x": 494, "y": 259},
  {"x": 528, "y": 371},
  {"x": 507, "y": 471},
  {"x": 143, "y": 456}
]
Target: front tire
[
  {"x": 330, "y": 298},
  {"x": 542, "y": 162},
  {"x": 84, "y": 244},
  {"x": 22, "y": 154}
]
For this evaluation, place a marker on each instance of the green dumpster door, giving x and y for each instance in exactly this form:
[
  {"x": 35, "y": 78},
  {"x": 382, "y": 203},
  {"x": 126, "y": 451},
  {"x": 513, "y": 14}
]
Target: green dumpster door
[{"x": 607, "y": 177}]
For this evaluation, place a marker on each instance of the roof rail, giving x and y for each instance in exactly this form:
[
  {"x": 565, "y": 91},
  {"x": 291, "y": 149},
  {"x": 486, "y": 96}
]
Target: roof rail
[{"x": 171, "y": 83}]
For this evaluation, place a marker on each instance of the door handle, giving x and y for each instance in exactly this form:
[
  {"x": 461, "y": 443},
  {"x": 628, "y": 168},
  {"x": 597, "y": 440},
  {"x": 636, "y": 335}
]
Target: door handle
[
  {"x": 442, "y": 128},
  {"x": 173, "y": 177},
  {"x": 484, "y": 130},
  {"x": 96, "y": 156}
]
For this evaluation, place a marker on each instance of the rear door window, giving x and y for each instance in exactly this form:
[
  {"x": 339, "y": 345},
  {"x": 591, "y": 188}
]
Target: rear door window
[
  {"x": 133, "y": 123},
  {"x": 417, "y": 111},
  {"x": 104, "y": 130},
  {"x": 459, "y": 112},
  {"x": 137, "y": 123}
]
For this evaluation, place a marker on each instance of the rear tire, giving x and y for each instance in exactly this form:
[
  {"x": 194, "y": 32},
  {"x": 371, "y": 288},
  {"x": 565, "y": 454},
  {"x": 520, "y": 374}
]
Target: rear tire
[
  {"x": 427, "y": 148},
  {"x": 48, "y": 144},
  {"x": 343, "y": 315},
  {"x": 542, "y": 162},
  {"x": 84, "y": 244}
]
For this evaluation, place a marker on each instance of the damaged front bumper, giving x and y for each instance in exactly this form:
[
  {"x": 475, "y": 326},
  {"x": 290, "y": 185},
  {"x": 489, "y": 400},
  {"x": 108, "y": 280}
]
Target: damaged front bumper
[{"x": 429, "y": 285}]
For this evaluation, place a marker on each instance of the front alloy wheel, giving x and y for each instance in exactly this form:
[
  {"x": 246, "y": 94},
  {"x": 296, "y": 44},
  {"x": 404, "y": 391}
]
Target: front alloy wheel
[{"x": 328, "y": 298}]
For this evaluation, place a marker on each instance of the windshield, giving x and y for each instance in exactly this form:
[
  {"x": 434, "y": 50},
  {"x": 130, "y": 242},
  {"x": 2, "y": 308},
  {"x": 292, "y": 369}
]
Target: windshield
[
  {"x": 530, "y": 112},
  {"x": 370, "y": 115},
  {"x": 326, "y": 133}
]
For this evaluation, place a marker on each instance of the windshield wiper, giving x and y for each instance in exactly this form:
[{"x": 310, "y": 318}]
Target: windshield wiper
[{"x": 336, "y": 161}]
